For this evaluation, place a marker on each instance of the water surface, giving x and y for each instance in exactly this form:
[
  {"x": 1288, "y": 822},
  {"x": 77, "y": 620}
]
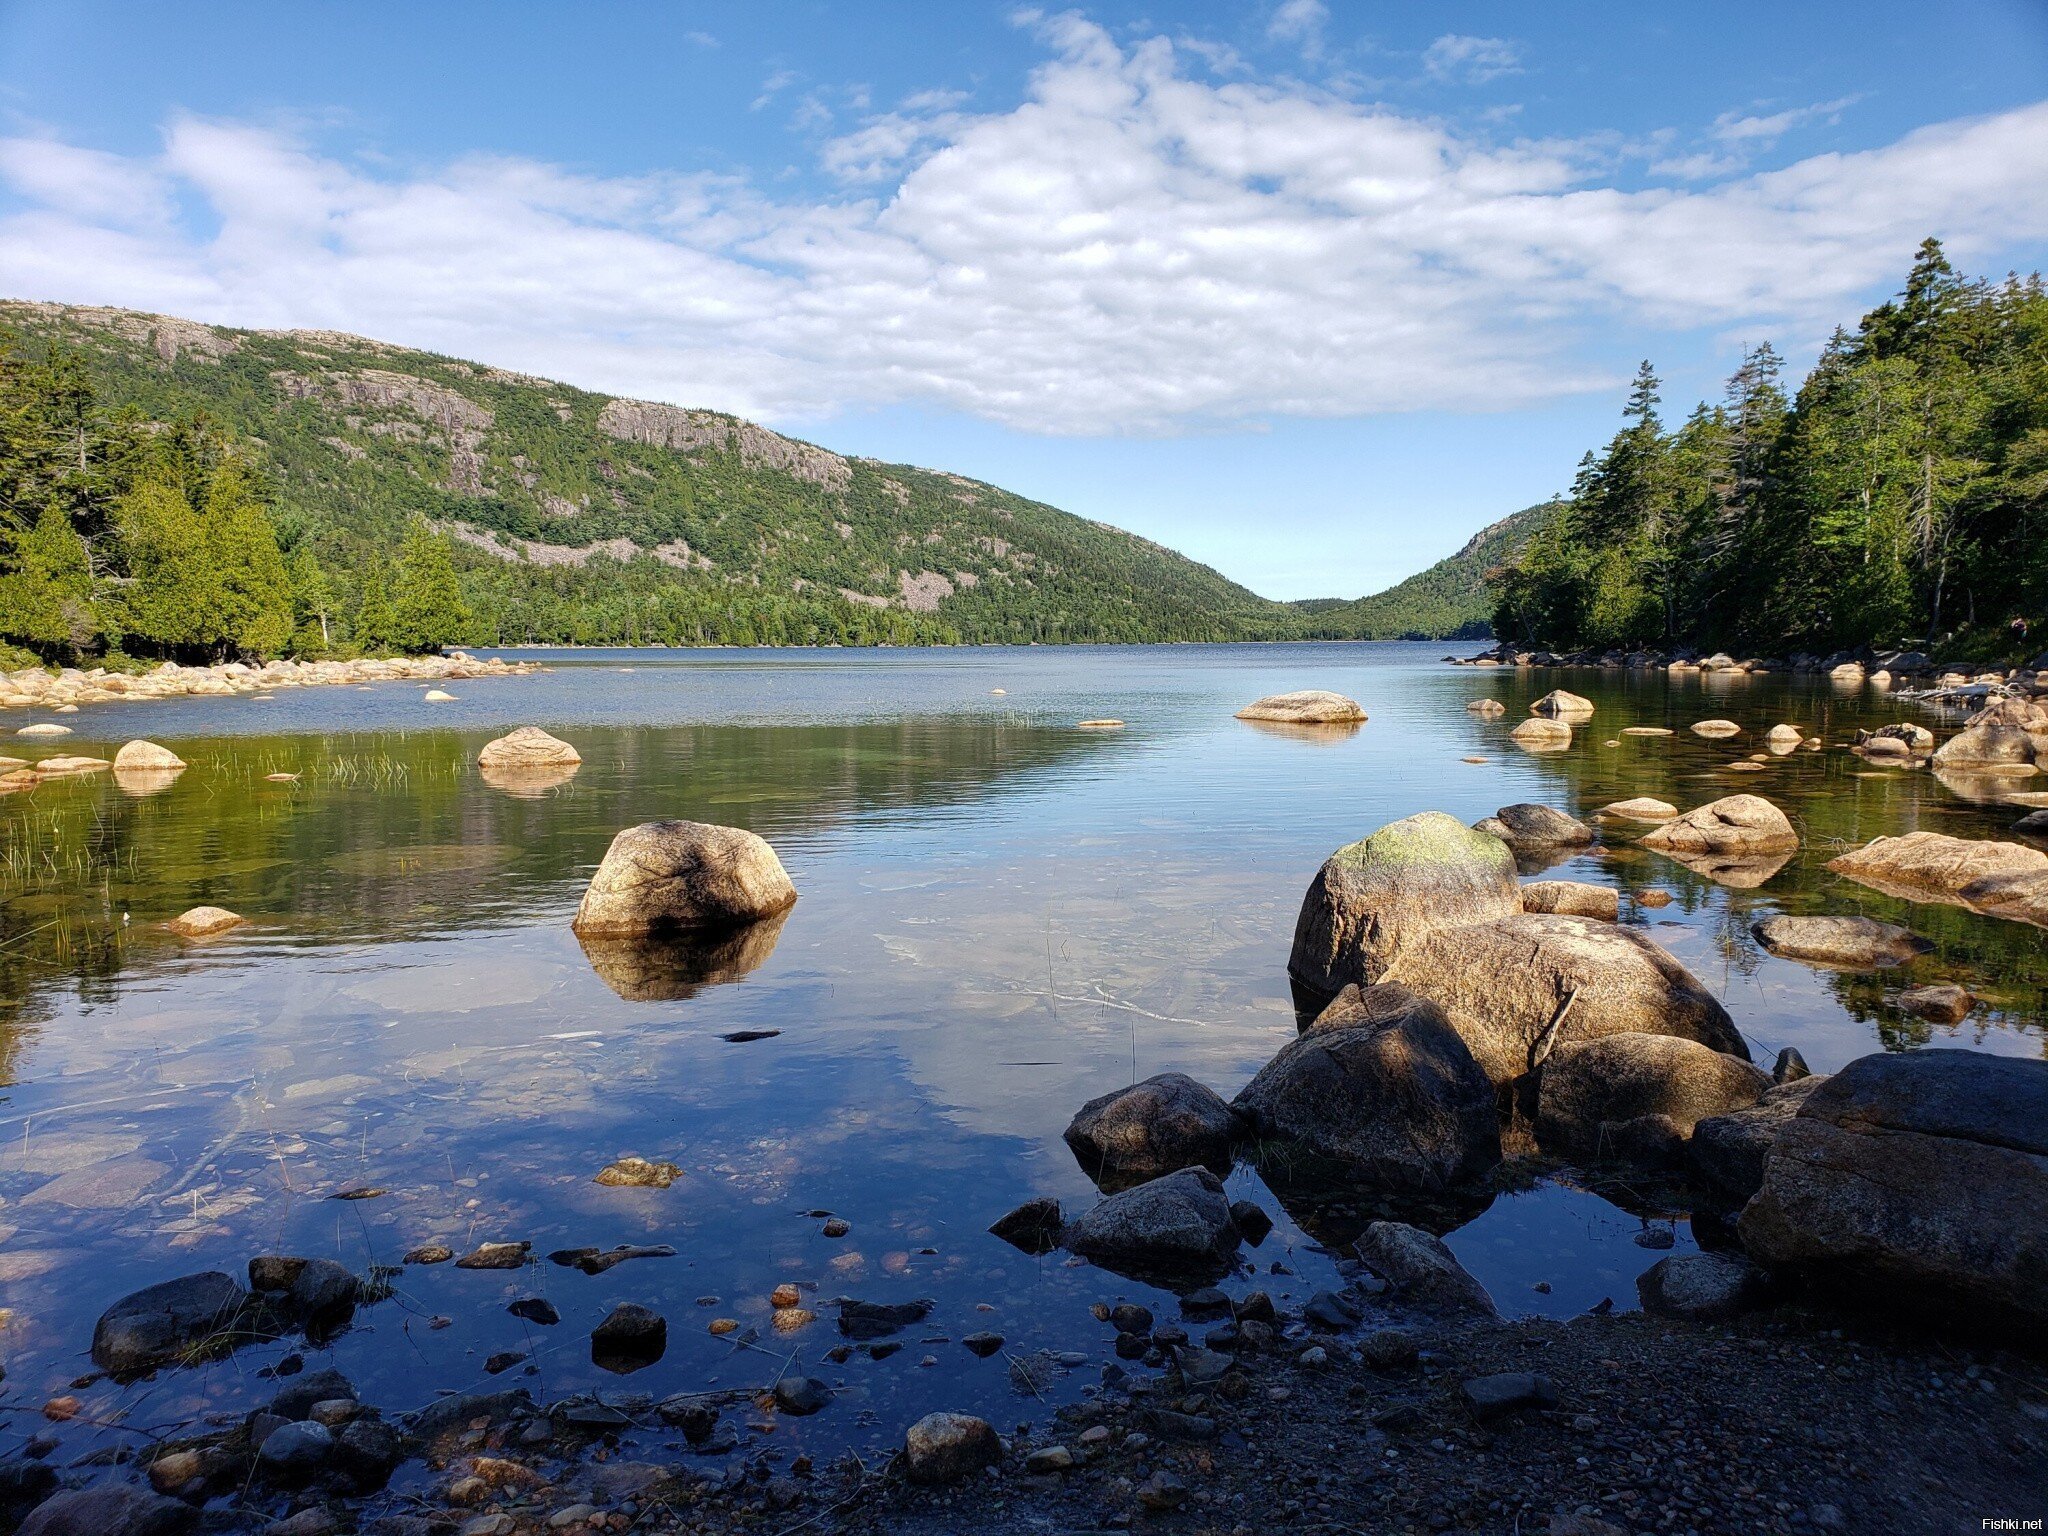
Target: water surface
[{"x": 1001, "y": 916}]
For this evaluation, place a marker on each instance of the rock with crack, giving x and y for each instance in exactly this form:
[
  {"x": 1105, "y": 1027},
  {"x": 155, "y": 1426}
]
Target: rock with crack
[
  {"x": 1746, "y": 825},
  {"x": 1726, "y": 1152},
  {"x": 2001, "y": 879},
  {"x": 667, "y": 877}
]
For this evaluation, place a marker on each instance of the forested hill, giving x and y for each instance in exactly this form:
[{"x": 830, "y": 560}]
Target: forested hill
[
  {"x": 1449, "y": 601},
  {"x": 574, "y": 516}
]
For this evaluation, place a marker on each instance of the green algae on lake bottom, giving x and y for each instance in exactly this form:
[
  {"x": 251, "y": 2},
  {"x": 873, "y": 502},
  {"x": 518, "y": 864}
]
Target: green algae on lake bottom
[{"x": 1000, "y": 918}]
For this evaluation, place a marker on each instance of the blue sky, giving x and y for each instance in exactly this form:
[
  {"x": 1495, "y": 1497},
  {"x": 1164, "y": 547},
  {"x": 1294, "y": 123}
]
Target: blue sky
[{"x": 1311, "y": 291}]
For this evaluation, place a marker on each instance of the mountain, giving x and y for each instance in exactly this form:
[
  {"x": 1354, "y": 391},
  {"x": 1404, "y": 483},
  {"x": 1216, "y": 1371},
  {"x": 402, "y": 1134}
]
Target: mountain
[
  {"x": 586, "y": 517},
  {"x": 1450, "y": 600}
]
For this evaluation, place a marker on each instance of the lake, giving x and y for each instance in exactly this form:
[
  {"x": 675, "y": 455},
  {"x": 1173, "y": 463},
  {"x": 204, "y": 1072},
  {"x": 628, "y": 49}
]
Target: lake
[{"x": 1001, "y": 916}]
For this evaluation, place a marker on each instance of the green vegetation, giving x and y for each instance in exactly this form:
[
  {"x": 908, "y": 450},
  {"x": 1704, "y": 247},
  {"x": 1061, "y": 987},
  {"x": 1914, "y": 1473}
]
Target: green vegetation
[
  {"x": 1899, "y": 499},
  {"x": 1449, "y": 601}
]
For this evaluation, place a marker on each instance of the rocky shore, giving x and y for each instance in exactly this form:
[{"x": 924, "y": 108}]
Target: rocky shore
[
  {"x": 1864, "y": 664},
  {"x": 65, "y": 692}
]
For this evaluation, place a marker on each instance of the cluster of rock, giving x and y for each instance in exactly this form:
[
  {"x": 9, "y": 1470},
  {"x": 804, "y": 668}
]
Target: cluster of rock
[
  {"x": 62, "y": 692},
  {"x": 1861, "y": 665}
]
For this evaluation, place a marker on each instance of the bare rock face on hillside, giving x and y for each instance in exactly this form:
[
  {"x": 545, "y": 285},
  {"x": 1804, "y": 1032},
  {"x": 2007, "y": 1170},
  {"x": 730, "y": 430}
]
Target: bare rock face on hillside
[
  {"x": 1412, "y": 876},
  {"x": 670, "y": 877},
  {"x": 684, "y": 431},
  {"x": 1310, "y": 706},
  {"x": 1503, "y": 983}
]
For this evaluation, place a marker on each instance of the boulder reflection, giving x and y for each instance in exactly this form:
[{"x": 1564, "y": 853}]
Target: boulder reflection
[{"x": 679, "y": 966}]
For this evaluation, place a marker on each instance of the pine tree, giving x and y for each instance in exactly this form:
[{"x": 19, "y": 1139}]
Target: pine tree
[
  {"x": 373, "y": 627},
  {"x": 429, "y": 610},
  {"x": 172, "y": 600},
  {"x": 253, "y": 613},
  {"x": 46, "y": 584}
]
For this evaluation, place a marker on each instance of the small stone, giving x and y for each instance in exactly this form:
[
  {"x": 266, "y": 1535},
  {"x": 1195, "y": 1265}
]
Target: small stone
[
  {"x": 1491, "y": 1397},
  {"x": 1389, "y": 1349},
  {"x": 949, "y": 1447},
  {"x": 718, "y": 1327},
  {"x": 430, "y": 1253},
  {"x": 982, "y": 1345},
  {"x": 801, "y": 1395},
  {"x": 1128, "y": 1317},
  {"x": 1049, "y": 1459},
  {"x": 631, "y": 1336},
  {"x": 503, "y": 1361},
  {"x": 296, "y": 1450},
  {"x": 638, "y": 1173},
  {"x": 535, "y": 1309},
  {"x": 1033, "y": 1226},
  {"x": 836, "y": 1227},
  {"x": 1162, "y": 1492},
  {"x": 785, "y": 1295},
  {"x": 495, "y": 1256},
  {"x": 1095, "y": 1434}
]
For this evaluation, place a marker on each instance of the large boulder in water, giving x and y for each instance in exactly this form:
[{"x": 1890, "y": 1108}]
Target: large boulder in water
[
  {"x": 2007, "y": 735},
  {"x": 1589, "y": 1096},
  {"x": 146, "y": 757},
  {"x": 1161, "y": 1125},
  {"x": 1537, "y": 734},
  {"x": 1535, "y": 826},
  {"x": 1311, "y": 706},
  {"x": 1177, "y": 1225},
  {"x": 1746, "y": 825},
  {"x": 680, "y": 876},
  {"x": 1384, "y": 1086},
  {"x": 1846, "y": 943},
  {"x": 1409, "y": 878},
  {"x": 167, "y": 1322},
  {"x": 1559, "y": 705},
  {"x": 2003, "y": 879},
  {"x": 528, "y": 748},
  {"x": 1503, "y": 983},
  {"x": 1920, "y": 1177}
]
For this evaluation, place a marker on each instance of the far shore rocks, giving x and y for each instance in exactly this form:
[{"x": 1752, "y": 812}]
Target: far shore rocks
[
  {"x": 527, "y": 749},
  {"x": 205, "y": 922},
  {"x": 2002, "y": 879},
  {"x": 1310, "y": 706},
  {"x": 1638, "y": 1096},
  {"x": 1560, "y": 705},
  {"x": 1159, "y": 1126},
  {"x": 1535, "y": 826},
  {"x": 1848, "y": 943},
  {"x": 146, "y": 757},
  {"x": 1383, "y": 1086},
  {"x": 1411, "y": 876},
  {"x": 1176, "y": 1225},
  {"x": 1505, "y": 985},
  {"x": 666, "y": 877},
  {"x": 1919, "y": 1177},
  {"x": 65, "y": 691}
]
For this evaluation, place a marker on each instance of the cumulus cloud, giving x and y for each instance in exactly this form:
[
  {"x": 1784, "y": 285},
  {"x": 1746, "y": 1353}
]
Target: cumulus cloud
[
  {"x": 1301, "y": 23},
  {"x": 1475, "y": 59},
  {"x": 1133, "y": 247}
]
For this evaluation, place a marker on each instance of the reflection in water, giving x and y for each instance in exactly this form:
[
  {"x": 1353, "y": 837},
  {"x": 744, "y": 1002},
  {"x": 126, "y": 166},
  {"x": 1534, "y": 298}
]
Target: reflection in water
[
  {"x": 141, "y": 782},
  {"x": 1739, "y": 872},
  {"x": 1325, "y": 735},
  {"x": 660, "y": 970},
  {"x": 1002, "y": 918},
  {"x": 530, "y": 782}
]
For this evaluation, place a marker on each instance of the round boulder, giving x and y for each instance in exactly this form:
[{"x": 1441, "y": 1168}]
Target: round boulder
[
  {"x": 1559, "y": 705},
  {"x": 1537, "y": 734},
  {"x": 1588, "y": 1093},
  {"x": 1409, "y": 878},
  {"x": 1503, "y": 984},
  {"x": 529, "y": 747},
  {"x": 677, "y": 876},
  {"x": 146, "y": 757},
  {"x": 1383, "y": 1085},
  {"x": 1310, "y": 706},
  {"x": 1701, "y": 1287},
  {"x": 1177, "y": 1224},
  {"x": 945, "y": 1448},
  {"x": 1163, "y": 1124},
  {"x": 1846, "y": 943}
]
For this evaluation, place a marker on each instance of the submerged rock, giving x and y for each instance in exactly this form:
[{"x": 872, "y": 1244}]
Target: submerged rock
[
  {"x": 1426, "y": 1272},
  {"x": 637, "y": 1173},
  {"x": 1535, "y": 826},
  {"x": 1179, "y": 1223},
  {"x": 1572, "y": 898},
  {"x": 1943, "y": 1003},
  {"x": 1409, "y": 878},
  {"x": 1849, "y": 943},
  {"x": 675, "y": 876},
  {"x": 1589, "y": 1095},
  {"x": 1502, "y": 985},
  {"x": 167, "y": 1323},
  {"x": 1382, "y": 1084},
  {"x": 1311, "y": 706},
  {"x": 1165, "y": 1123},
  {"x": 1917, "y": 1178},
  {"x": 670, "y": 967},
  {"x": 1033, "y": 1226}
]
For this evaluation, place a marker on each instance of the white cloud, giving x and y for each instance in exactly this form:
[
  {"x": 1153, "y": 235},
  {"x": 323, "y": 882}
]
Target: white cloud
[
  {"x": 1761, "y": 131},
  {"x": 1300, "y": 22},
  {"x": 1474, "y": 59},
  {"x": 1131, "y": 248}
]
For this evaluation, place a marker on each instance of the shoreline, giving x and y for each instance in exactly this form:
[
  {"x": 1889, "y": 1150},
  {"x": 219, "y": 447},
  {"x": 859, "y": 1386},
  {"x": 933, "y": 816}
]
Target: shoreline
[{"x": 35, "y": 689}]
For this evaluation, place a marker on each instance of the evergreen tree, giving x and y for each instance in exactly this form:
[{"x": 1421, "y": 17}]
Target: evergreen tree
[
  {"x": 253, "y": 595},
  {"x": 46, "y": 584},
  {"x": 172, "y": 599},
  {"x": 428, "y": 608},
  {"x": 374, "y": 626},
  {"x": 312, "y": 603}
]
